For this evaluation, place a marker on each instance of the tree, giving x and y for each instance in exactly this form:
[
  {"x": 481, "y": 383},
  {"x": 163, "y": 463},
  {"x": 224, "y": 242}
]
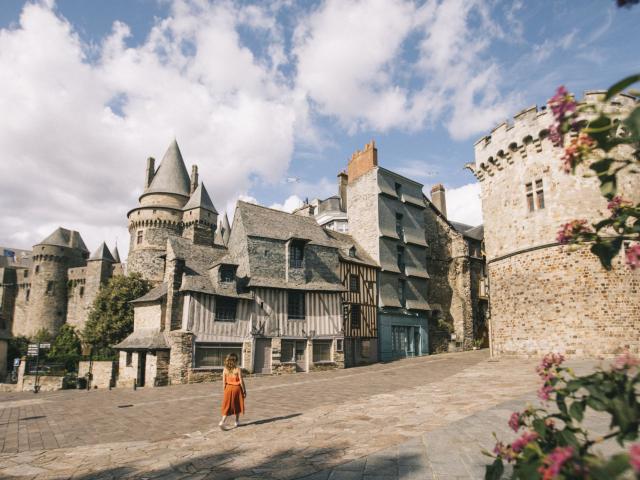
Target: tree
[
  {"x": 111, "y": 316},
  {"x": 66, "y": 348},
  {"x": 17, "y": 347}
]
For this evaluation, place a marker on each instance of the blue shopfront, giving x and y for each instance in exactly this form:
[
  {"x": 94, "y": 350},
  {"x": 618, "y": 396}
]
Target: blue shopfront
[{"x": 402, "y": 335}]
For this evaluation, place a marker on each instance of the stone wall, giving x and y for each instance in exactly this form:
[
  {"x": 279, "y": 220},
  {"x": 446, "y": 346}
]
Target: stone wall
[
  {"x": 47, "y": 383},
  {"x": 181, "y": 355},
  {"x": 558, "y": 300},
  {"x": 127, "y": 374},
  {"x": 102, "y": 373}
]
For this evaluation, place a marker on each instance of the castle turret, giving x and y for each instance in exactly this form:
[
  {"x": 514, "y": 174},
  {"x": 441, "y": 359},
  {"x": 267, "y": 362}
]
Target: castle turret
[
  {"x": 547, "y": 297},
  {"x": 200, "y": 217},
  {"x": 51, "y": 259},
  {"x": 159, "y": 214}
]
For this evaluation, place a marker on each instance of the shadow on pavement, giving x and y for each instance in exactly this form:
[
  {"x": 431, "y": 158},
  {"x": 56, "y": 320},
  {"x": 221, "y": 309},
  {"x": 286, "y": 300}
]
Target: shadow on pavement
[{"x": 269, "y": 420}]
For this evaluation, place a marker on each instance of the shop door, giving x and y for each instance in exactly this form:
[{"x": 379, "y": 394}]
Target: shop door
[
  {"x": 301, "y": 355},
  {"x": 262, "y": 360}
]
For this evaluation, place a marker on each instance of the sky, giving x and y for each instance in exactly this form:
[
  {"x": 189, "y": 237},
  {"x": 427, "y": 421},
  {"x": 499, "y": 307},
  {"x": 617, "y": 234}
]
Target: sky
[{"x": 270, "y": 99}]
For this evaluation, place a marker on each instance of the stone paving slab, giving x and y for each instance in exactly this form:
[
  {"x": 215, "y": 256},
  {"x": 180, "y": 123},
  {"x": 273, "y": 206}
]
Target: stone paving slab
[{"x": 329, "y": 425}]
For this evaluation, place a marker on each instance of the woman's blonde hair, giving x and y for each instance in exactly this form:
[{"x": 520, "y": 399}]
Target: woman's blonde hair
[{"x": 231, "y": 362}]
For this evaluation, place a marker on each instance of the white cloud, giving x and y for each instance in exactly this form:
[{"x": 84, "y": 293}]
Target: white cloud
[
  {"x": 289, "y": 205},
  {"x": 463, "y": 204},
  {"x": 417, "y": 170}
]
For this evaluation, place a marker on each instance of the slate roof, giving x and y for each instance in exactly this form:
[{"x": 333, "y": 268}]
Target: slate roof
[
  {"x": 152, "y": 295},
  {"x": 200, "y": 199},
  {"x": 476, "y": 233},
  {"x": 346, "y": 242},
  {"x": 312, "y": 286},
  {"x": 63, "y": 237},
  {"x": 198, "y": 258},
  {"x": 144, "y": 339},
  {"x": 226, "y": 229},
  {"x": 172, "y": 175},
  {"x": 116, "y": 254},
  {"x": 199, "y": 283},
  {"x": 102, "y": 253},
  {"x": 266, "y": 222}
]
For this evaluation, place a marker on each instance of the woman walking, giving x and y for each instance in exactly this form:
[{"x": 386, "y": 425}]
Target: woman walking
[{"x": 233, "y": 388}]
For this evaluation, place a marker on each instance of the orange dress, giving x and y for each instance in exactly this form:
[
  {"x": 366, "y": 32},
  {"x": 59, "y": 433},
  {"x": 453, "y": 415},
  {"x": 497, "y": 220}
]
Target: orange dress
[{"x": 232, "y": 401}]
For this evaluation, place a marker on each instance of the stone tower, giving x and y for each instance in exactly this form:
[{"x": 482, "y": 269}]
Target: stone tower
[
  {"x": 159, "y": 214},
  {"x": 545, "y": 296},
  {"x": 200, "y": 217},
  {"x": 51, "y": 259}
]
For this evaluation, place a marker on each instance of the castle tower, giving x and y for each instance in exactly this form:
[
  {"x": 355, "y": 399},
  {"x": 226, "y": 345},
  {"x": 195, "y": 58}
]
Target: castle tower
[
  {"x": 546, "y": 296},
  {"x": 200, "y": 216},
  {"x": 159, "y": 214},
  {"x": 51, "y": 259}
]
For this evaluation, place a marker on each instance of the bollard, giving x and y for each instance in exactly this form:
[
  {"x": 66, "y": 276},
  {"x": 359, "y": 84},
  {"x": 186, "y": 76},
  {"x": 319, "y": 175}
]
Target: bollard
[{"x": 135, "y": 383}]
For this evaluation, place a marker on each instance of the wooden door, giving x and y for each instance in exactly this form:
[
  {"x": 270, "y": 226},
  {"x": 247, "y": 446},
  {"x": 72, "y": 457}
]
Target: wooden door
[
  {"x": 301, "y": 355},
  {"x": 142, "y": 367},
  {"x": 262, "y": 357}
]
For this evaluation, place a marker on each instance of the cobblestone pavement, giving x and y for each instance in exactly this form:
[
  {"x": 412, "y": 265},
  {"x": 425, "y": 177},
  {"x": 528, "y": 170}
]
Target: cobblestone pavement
[{"x": 297, "y": 425}]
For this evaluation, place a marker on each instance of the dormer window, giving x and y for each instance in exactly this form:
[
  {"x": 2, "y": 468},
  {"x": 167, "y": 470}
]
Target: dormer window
[
  {"x": 227, "y": 274},
  {"x": 352, "y": 252},
  {"x": 296, "y": 254}
]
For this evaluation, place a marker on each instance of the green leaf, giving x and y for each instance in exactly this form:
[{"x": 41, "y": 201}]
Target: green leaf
[
  {"x": 611, "y": 468},
  {"x": 606, "y": 250},
  {"x": 596, "y": 404},
  {"x": 494, "y": 471},
  {"x": 577, "y": 411},
  {"x": 608, "y": 185},
  {"x": 621, "y": 85},
  {"x": 632, "y": 122},
  {"x": 601, "y": 166},
  {"x": 568, "y": 438}
]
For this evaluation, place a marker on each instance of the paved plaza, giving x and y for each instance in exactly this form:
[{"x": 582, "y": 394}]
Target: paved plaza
[{"x": 411, "y": 419}]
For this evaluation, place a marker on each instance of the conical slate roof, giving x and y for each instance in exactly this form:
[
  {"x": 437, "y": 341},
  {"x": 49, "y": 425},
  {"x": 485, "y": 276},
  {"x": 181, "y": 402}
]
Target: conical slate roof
[
  {"x": 226, "y": 229},
  {"x": 63, "y": 237},
  {"x": 200, "y": 199},
  {"x": 116, "y": 254},
  {"x": 172, "y": 175},
  {"x": 102, "y": 253}
]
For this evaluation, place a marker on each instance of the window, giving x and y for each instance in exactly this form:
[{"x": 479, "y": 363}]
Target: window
[
  {"x": 227, "y": 274},
  {"x": 402, "y": 292},
  {"x": 354, "y": 283},
  {"x": 25, "y": 274},
  {"x": 321, "y": 351},
  {"x": 401, "y": 263},
  {"x": 81, "y": 292},
  {"x": 27, "y": 294},
  {"x": 295, "y": 305},
  {"x": 37, "y": 268},
  {"x": 139, "y": 239},
  {"x": 49, "y": 287},
  {"x": 398, "y": 188},
  {"x": 226, "y": 309},
  {"x": 293, "y": 351},
  {"x": 213, "y": 354},
  {"x": 399, "y": 227},
  {"x": 539, "y": 195},
  {"x": 530, "y": 205},
  {"x": 352, "y": 252},
  {"x": 355, "y": 315},
  {"x": 296, "y": 253},
  {"x": 129, "y": 359},
  {"x": 339, "y": 345}
]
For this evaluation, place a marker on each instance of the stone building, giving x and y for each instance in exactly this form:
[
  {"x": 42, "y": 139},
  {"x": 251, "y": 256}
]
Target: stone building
[
  {"x": 269, "y": 288},
  {"x": 545, "y": 296},
  {"x": 53, "y": 284}
]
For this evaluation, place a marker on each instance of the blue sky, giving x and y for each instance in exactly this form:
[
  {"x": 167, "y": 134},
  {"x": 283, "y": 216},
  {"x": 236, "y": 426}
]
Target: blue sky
[{"x": 260, "y": 92}]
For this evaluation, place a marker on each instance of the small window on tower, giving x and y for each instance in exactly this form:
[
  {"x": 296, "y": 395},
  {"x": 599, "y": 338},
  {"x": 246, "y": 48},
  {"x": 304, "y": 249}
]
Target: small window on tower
[
  {"x": 37, "y": 268},
  {"x": 49, "y": 287},
  {"x": 27, "y": 294},
  {"x": 530, "y": 205},
  {"x": 81, "y": 292},
  {"x": 539, "y": 195},
  {"x": 139, "y": 238}
]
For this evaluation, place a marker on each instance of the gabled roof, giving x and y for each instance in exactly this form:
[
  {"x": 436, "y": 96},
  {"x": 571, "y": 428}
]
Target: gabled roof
[
  {"x": 347, "y": 242},
  {"x": 200, "y": 199},
  {"x": 116, "y": 254},
  {"x": 172, "y": 175},
  {"x": 265, "y": 222},
  {"x": 476, "y": 233},
  {"x": 152, "y": 295},
  {"x": 102, "y": 253},
  {"x": 62, "y": 237},
  {"x": 144, "y": 340}
]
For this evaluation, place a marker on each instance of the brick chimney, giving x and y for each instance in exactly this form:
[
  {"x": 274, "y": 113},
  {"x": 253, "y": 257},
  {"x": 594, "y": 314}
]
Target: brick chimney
[
  {"x": 343, "y": 179},
  {"x": 362, "y": 161},
  {"x": 439, "y": 199},
  {"x": 151, "y": 163}
]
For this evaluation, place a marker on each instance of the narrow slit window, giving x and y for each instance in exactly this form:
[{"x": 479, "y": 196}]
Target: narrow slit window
[
  {"x": 139, "y": 237},
  {"x": 530, "y": 204},
  {"x": 401, "y": 262},
  {"x": 539, "y": 195},
  {"x": 399, "y": 227}
]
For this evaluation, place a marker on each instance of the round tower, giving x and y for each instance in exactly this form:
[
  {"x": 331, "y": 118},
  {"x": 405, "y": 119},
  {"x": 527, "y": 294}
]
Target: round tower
[
  {"x": 546, "y": 296},
  {"x": 159, "y": 214},
  {"x": 51, "y": 258}
]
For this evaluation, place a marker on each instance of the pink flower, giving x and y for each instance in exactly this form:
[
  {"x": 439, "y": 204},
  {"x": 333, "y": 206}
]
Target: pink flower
[
  {"x": 571, "y": 230},
  {"x": 552, "y": 359},
  {"x": 563, "y": 106},
  {"x": 633, "y": 256},
  {"x": 503, "y": 451},
  {"x": 625, "y": 361},
  {"x": 514, "y": 421},
  {"x": 554, "y": 462},
  {"x": 634, "y": 457},
  {"x": 527, "y": 437},
  {"x": 616, "y": 203},
  {"x": 576, "y": 151},
  {"x": 545, "y": 392}
]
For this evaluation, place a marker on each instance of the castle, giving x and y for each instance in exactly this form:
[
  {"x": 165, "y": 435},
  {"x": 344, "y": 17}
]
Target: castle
[{"x": 546, "y": 296}]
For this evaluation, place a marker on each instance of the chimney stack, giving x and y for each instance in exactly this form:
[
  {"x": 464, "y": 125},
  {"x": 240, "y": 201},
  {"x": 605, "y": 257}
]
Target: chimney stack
[
  {"x": 362, "y": 161},
  {"x": 439, "y": 199},
  {"x": 343, "y": 179},
  {"x": 194, "y": 178},
  {"x": 151, "y": 171}
]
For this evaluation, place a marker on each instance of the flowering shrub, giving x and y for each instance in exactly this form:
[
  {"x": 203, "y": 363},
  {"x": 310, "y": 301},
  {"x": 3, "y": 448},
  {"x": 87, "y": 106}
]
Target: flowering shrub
[
  {"x": 591, "y": 136},
  {"x": 555, "y": 444}
]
